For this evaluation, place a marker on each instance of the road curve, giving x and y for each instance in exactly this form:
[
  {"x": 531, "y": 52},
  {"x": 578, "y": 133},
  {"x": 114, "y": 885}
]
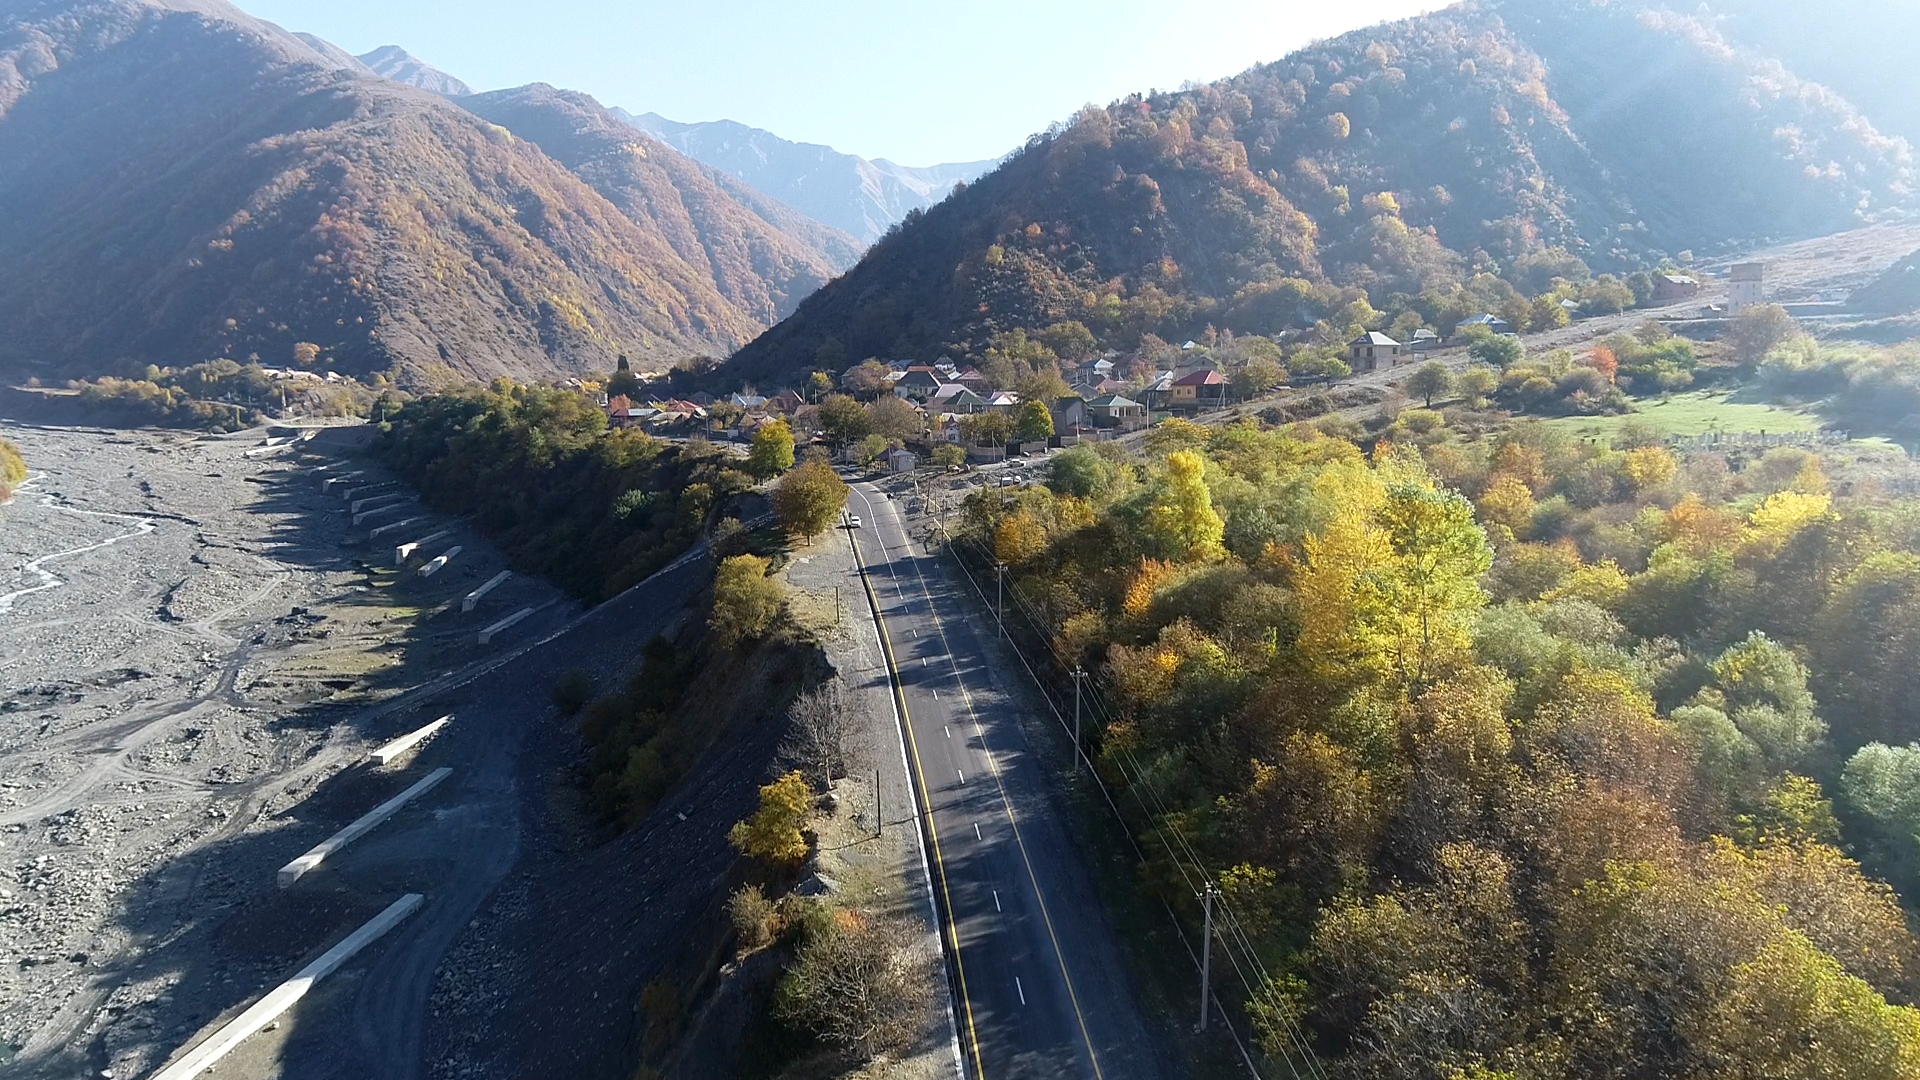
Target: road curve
[{"x": 1039, "y": 986}]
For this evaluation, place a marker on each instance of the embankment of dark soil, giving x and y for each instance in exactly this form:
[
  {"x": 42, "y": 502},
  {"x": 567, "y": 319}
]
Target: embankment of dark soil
[{"x": 550, "y": 978}]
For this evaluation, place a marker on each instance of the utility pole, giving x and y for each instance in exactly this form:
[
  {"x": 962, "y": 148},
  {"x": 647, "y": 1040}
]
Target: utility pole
[
  {"x": 1206, "y": 955},
  {"x": 1079, "y": 680},
  {"x": 999, "y": 596}
]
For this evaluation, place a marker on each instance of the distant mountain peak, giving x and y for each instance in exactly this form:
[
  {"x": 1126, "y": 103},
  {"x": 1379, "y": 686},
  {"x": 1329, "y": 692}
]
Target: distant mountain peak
[
  {"x": 396, "y": 63},
  {"x": 851, "y": 193}
]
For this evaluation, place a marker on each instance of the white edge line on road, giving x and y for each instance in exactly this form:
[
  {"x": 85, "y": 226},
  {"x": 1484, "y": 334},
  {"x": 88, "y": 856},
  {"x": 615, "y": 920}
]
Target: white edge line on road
[
  {"x": 906, "y": 769},
  {"x": 282, "y": 997},
  {"x": 291, "y": 872}
]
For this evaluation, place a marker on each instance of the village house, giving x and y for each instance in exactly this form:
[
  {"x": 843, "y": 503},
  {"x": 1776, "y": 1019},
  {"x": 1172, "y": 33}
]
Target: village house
[
  {"x": 902, "y": 461},
  {"x": 1492, "y": 322},
  {"x": 1424, "y": 340},
  {"x": 1669, "y": 288},
  {"x": 1374, "y": 352},
  {"x": 1003, "y": 401},
  {"x": 1069, "y": 415},
  {"x": 917, "y": 383},
  {"x": 956, "y": 398},
  {"x": 786, "y": 402},
  {"x": 1203, "y": 387},
  {"x": 1114, "y": 411}
]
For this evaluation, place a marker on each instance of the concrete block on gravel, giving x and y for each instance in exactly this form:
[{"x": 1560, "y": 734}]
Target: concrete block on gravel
[{"x": 293, "y": 871}]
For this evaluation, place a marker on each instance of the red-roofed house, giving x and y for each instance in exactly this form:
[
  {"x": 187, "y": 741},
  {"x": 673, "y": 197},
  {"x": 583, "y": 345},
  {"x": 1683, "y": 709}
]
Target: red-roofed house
[{"x": 1203, "y": 387}]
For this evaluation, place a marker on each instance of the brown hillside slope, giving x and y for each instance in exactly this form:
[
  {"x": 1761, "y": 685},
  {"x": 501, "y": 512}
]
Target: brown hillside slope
[
  {"x": 1406, "y": 160},
  {"x": 183, "y": 182},
  {"x": 763, "y": 255}
]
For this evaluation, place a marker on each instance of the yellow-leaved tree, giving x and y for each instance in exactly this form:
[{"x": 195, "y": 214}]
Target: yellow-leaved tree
[
  {"x": 1182, "y": 520},
  {"x": 775, "y": 832},
  {"x": 1389, "y": 587}
]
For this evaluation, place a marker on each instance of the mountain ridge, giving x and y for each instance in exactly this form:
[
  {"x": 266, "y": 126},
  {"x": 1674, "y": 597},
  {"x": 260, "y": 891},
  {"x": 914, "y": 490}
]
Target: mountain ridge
[
  {"x": 190, "y": 183},
  {"x": 1423, "y": 165},
  {"x": 861, "y": 196},
  {"x": 396, "y": 63}
]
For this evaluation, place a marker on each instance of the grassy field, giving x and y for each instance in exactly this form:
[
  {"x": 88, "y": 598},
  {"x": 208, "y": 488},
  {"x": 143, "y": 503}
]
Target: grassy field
[{"x": 1696, "y": 413}]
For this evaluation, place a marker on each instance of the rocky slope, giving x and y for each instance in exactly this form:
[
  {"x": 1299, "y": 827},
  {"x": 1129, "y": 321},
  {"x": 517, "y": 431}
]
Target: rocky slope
[
  {"x": 1499, "y": 137},
  {"x": 396, "y": 63},
  {"x": 184, "y": 182},
  {"x": 849, "y": 192},
  {"x": 763, "y": 255}
]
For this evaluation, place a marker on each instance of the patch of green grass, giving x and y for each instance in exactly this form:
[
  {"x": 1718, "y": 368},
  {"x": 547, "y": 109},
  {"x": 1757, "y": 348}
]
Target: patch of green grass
[{"x": 1696, "y": 413}]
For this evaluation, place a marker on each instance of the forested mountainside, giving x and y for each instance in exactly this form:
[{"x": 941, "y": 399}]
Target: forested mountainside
[
  {"x": 1410, "y": 159},
  {"x": 763, "y": 255},
  {"x": 846, "y": 191},
  {"x": 1865, "y": 55},
  {"x": 396, "y": 63},
  {"x": 183, "y": 182}
]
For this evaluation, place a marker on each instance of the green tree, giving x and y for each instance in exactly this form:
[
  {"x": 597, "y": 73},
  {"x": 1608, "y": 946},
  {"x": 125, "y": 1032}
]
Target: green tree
[
  {"x": 892, "y": 417},
  {"x": 1763, "y": 690},
  {"x": 869, "y": 449},
  {"x": 746, "y": 602},
  {"x": 843, "y": 419},
  {"x": 1498, "y": 350},
  {"x": 776, "y": 831},
  {"x": 1757, "y": 330},
  {"x": 1257, "y": 377},
  {"x": 1476, "y": 384},
  {"x": 1081, "y": 471},
  {"x": 809, "y": 498},
  {"x": 987, "y": 429},
  {"x": 772, "y": 451},
  {"x": 1430, "y": 381},
  {"x": 947, "y": 455},
  {"x": 819, "y": 385},
  {"x": 1182, "y": 520},
  {"x": 1033, "y": 422},
  {"x": 866, "y": 379}
]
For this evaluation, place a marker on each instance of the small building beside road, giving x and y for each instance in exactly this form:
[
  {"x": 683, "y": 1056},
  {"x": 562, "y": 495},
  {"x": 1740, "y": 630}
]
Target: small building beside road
[{"x": 1374, "y": 352}]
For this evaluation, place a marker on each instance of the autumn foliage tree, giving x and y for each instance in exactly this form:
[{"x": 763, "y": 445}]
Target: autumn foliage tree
[
  {"x": 771, "y": 452},
  {"x": 809, "y": 498},
  {"x": 777, "y": 830},
  {"x": 13, "y": 470}
]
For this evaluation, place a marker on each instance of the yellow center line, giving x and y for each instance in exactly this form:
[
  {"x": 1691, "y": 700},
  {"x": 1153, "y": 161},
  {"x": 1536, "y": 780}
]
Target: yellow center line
[
  {"x": 926, "y": 798},
  {"x": 993, "y": 767}
]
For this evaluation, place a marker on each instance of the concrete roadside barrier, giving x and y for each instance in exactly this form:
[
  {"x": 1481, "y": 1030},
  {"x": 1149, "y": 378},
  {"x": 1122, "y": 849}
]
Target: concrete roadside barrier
[
  {"x": 294, "y": 870},
  {"x": 329, "y": 482},
  {"x": 281, "y": 998},
  {"x": 405, "y": 551},
  {"x": 487, "y": 635},
  {"x": 434, "y": 566},
  {"x": 356, "y": 505},
  {"x": 386, "y": 754},
  {"x": 473, "y": 598},
  {"x": 366, "y": 515},
  {"x": 364, "y": 490},
  {"x": 396, "y": 526}
]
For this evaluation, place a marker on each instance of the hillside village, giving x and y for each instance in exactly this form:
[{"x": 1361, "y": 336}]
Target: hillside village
[{"x": 954, "y": 403}]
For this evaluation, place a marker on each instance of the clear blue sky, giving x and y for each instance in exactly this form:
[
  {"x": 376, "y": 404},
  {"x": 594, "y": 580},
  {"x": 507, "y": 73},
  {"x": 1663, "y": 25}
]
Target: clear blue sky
[{"x": 919, "y": 83}]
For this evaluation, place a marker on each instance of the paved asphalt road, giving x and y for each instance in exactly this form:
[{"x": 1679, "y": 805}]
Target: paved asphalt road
[{"x": 1040, "y": 987}]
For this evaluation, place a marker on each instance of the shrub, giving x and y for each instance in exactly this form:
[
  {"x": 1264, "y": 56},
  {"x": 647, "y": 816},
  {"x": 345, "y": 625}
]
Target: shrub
[
  {"x": 573, "y": 691},
  {"x": 753, "y": 917}
]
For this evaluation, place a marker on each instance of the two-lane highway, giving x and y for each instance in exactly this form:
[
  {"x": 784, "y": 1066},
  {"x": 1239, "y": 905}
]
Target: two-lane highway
[{"x": 1039, "y": 984}]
